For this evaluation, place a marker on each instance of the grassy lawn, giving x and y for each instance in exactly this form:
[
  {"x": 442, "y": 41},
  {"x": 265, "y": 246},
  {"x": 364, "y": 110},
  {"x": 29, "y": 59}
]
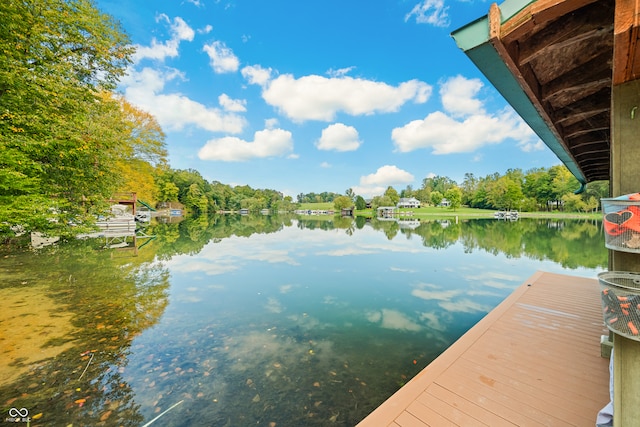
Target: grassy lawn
[
  {"x": 317, "y": 206},
  {"x": 444, "y": 212}
]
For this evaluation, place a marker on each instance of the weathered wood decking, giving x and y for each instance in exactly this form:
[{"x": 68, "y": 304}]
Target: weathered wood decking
[{"x": 532, "y": 361}]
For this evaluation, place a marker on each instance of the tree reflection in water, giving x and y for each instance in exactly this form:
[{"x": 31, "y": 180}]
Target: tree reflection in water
[
  {"x": 109, "y": 301},
  {"x": 95, "y": 302}
]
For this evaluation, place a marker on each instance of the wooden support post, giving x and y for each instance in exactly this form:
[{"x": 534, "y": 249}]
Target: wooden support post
[
  {"x": 625, "y": 179},
  {"x": 626, "y": 378}
]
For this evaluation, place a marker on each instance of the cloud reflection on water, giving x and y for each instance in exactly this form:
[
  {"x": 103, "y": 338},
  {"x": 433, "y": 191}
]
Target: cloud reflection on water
[
  {"x": 393, "y": 319},
  {"x": 465, "y": 305}
]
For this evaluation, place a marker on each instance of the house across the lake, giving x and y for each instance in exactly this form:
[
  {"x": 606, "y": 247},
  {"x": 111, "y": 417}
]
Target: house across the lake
[{"x": 408, "y": 202}]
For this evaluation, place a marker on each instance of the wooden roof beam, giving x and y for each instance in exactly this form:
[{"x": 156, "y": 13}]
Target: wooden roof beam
[
  {"x": 589, "y": 153},
  {"x": 589, "y": 137},
  {"x": 593, "y": 145},
  {"x": 556, "y": 59},
  {"x": 538, "y": 13},
  {"x": 598, "y": 124},
  {"x": 571, "y": 94},
  {"x": 567, "y": 32},
  {"x": 494, "y": 39},
  {"x": 584, "y": 115},
  {"x": 578, "y": 82},
  {"x": 595, "y": 102}
]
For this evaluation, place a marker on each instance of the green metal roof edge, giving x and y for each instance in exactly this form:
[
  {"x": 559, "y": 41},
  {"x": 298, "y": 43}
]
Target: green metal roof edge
[
  {"x": 473, "y": 39},
  {"x": 477, "y": 32}
]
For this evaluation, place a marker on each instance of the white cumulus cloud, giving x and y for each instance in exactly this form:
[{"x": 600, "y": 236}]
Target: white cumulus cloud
[
  {"x": 376, "y": 183},
  {"x": 174, "y": 111},
  {"x": 465, "y": 127},
  {"x": 221, "y": 57},
  {"x": 316, "y": 97},
  {"x": 432, "y": 12},
  {"x": 145, "y": 88},
  {"x": 387, "y": 175},
  {"x": 256, "y": 75},
  {"x": 339, "y": 137},
  {"x": 235, "y": 105},
  {"x": 271, "y": 123},
  {"x": 458, "y": 95},
  {"x": 180, "y": 31},
  {"x": 266, "y": 143}
]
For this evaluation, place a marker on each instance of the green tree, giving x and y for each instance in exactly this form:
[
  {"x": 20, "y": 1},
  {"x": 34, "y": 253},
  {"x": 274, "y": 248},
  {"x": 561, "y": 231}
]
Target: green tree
[
  {"x": 342, "y": 202},
  {"x": 469, "y": 188},
  {"x": 56, "y": 148},
  {"x": 594, "y": 192},
  {"x": 168, "y": 192},
  {"x": 195, "y": 200},
  {"x": 220, "y": 195},
  {"x": 537, "y": 185},
  {"x": 591, "y": 204},
  {"x": 454, "y": 196},
  {"x": 438, "y": 183},
  {"x": 57, "y": 145},
  {"x": 407, "y": 192},
  {"x": 361, "y": 203},
  {"x": 574, "y": 203},
  {"x": 254, "y": 204},
  {"x": 479, "y": 199},
  {"x": 350, "y": 194},
  {"x": 380, "y": 201},
  {"x": 393, "y": 195},
  {"x": 436, "y": 198},
  {"x": 284, "y": 205},
  {"x": 183, "y": 179},
  {"x": 563, "y": 181},
  {"x": 505, "y": 193},
  {"x": 423, "y": 195}
]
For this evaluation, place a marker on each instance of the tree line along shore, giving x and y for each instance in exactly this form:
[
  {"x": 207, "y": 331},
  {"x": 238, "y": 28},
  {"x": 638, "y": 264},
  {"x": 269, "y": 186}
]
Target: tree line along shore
[{"x": 69, "y": 141}]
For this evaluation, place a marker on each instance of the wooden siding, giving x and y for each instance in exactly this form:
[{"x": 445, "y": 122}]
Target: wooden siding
[{"x": 532, "y": 361}]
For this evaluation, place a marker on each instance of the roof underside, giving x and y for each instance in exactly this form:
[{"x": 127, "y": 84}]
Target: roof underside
[{"x": 553, "y": 61}]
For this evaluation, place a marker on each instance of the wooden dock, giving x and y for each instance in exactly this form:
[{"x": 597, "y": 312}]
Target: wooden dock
[{"x": 534, "y": 360}]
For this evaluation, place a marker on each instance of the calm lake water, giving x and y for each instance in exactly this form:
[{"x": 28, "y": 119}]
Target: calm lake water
[{"x": 257, "y": 321}]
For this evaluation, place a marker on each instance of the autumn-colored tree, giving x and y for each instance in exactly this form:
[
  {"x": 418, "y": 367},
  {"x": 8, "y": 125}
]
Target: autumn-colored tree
[{"x": 143, "y": 156}]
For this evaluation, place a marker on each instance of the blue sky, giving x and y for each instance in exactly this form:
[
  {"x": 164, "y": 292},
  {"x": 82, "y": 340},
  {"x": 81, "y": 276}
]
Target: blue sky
[{"x": 311, "y": 96}]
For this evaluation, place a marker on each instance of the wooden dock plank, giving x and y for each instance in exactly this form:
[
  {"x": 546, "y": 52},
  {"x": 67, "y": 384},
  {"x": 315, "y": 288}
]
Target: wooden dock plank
[
  {"x": 569, "y": 407},
  {"x": 473, "y": 409},
  {"x": 482, "y": 390},
  {"x": 407, "y": 420},
  {"x": 521, "y": 363},
  {"x": 532, "y": 361},
  {"x": 450, "y": 409}
]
